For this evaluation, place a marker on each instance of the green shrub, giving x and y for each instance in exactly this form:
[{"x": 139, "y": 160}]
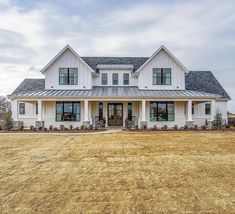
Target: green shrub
[
  {"x": 8, "y": 122},
  {"x": 62, "y": 127},
  {"x": 217, "y": 122},
  {"x": 185, "y": 127}
]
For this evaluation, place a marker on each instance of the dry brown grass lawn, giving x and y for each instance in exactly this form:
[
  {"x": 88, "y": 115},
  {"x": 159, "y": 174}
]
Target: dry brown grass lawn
[{"x": 122, "y": 172}]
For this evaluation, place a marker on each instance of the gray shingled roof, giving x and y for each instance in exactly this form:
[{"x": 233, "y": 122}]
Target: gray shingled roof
[
  {"x": 196, "y": 82},
  {"x": 204, "y": 81},
  {"x": 135, "y": 61},
  {"x": 30, "y": 85}
]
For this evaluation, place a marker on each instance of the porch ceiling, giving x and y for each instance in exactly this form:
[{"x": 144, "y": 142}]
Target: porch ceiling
[{"x": 116, "y": 92}]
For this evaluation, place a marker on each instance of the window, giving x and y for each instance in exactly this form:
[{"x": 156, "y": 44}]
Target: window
[
  {"x": 125, "y": 79},
  {"x": 68, "y": 76},
  {"x": 162, "y": 111},
  {"x": 162, "y": 76},
  {"x": 130, "y": 111},
  {"x": 100, "y": 111},
  {"x": 104, "y": 78},
  {"x": 36, "y": 108},
  {"x": 22, "y": 108},
  {"x": 115, "y": 78},
  {"x": 68, "y": 111},
  {"x": 207, "y": 108},
  {"x": 192, "y": 108}
]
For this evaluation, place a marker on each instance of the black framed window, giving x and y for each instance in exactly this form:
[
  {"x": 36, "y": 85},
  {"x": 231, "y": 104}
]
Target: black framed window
[
  {"x": 161, "y": 76},
  {"x": 130, "y": 111},
  {"x": 68, "y": 111},
  {"x": 68, "y": 76},
  {"x": 36, "y": 108},
  {"x": 115, "y": 78},
  {"x": 207, "y": 108},
  {"x": 125, "y": 79},
  {"x": 104, "y": 78},
  {"x": 21, "y": 108},
  {"x": 100, "y": 111},
  {"x": 162, "y": 111}
]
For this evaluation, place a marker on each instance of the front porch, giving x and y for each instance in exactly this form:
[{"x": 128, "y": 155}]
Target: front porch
[{"x": 114, "y": 113}]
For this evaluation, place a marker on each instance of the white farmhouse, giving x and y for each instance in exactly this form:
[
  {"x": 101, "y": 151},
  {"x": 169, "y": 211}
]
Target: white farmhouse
[{"x": 151, "y": 91}]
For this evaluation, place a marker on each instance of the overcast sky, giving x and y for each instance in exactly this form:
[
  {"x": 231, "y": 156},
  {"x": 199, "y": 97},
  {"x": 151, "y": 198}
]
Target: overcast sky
[{"x": 201, "y": 34}]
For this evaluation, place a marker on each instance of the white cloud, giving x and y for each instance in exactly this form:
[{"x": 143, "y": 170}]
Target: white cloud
[
  {"x": 4, "y": 2},
  {"x": 200, "y": 34}
]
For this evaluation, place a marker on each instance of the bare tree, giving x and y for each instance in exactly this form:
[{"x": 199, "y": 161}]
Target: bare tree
[{"x": 5, "y": 106}]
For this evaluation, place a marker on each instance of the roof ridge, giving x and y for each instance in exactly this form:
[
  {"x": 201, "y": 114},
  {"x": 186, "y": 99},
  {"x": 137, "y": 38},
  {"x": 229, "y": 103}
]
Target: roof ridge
[
  {"x": 201, "y": 71},
  {"x": 34, "y": 79},
  {"x": 114, "y": 56}
]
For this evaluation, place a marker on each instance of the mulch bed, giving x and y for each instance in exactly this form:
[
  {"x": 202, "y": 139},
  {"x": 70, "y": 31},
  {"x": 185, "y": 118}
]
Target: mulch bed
[{"x": 59, "y": 131}]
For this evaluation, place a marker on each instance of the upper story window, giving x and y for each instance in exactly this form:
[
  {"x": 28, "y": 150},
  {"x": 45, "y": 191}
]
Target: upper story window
[
  {"x": 115, "y": 78},
  {"x": 125, "y": 79},
  {"x": 104, "y": 78},
  {"x": 68, "y": 76},
  {"x": 21, "y": 108},
  {"x": 207, "y": 108},
  {"x": 161, "y": 76}
]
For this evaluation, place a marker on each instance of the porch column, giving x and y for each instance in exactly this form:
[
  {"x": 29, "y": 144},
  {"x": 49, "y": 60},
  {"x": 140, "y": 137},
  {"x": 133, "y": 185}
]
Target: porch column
[
  {"x": 189, "y": 111},
  {"x": 39, "y": 122},
  {"x": 39, "y": 110},
  {"x": 213, "y": 112},
  {"x": 143, "y": 122},
  {"x": 86, "y": 121},
  {"x": 86, "y": 110},
  {"x": 143, "y": 110},
  {"x": 189, "y": 121}
]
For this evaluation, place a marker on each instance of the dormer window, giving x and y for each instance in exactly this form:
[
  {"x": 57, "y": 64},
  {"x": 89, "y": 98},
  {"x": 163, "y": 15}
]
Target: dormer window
[
  {"x": 161, "y": 76},
  {"x": 115, "y": 78},
  {"x": 104, "y": 78},
  {"x": 125, "y": 79},
  {"x": 68, "y": 76}
]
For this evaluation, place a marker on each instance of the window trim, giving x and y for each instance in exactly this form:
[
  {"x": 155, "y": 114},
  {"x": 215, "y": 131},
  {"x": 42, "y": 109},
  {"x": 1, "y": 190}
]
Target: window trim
[
  {"x": 161, "y": 102},
  {"x": 104, "y": 74},
  {"x": 161, "y": 76},
  {"x": 20, "y": 108},
  {"x": 68, "y": 76},
  {"x": 113, "y": 74},
  {"x": 206, "y": 108},
  {"x": 36, "y": 110},
  {"x": 73, "y": 102},
  {"x": 101, "y": 111},
  {"x": 127, "y": 79},
  {"x": 129, "y": 111}
]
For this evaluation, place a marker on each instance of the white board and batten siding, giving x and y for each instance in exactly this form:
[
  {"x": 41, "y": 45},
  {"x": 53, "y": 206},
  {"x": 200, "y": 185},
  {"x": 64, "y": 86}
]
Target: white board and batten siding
[
  {"x": 68, "y": 60},
  {"x": 161, "y": 60}
]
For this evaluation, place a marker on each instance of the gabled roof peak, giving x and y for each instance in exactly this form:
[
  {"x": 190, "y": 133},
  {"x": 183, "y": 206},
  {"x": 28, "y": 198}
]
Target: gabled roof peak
[
  {"x": 60, "y": 53},
  {"x": 162, "y": 47}
]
